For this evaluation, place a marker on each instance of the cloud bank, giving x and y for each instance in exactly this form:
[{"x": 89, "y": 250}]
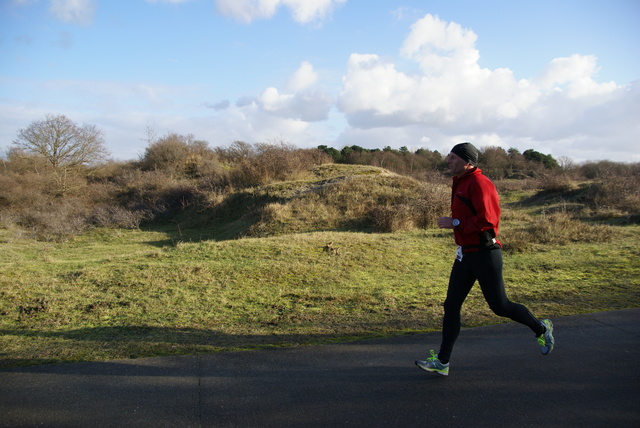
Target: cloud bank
[
  {"x": 448, "y": 97},
  {"x": 451, "y": 97}
]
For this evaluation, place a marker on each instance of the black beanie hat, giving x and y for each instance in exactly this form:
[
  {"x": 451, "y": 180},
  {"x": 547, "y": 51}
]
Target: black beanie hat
[{"x": 466, "y": 151}]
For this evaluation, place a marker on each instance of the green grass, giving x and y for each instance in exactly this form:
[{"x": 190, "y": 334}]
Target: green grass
[
  {"x": 190, "y": 287},
  {"x": 125, "y": 293}
]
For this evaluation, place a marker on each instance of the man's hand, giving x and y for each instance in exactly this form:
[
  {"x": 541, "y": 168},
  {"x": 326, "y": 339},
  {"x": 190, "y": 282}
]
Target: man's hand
[{"x": 445, "y": 223}]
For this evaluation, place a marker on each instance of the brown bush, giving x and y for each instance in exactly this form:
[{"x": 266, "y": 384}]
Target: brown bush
[
  {"x": 181, "y": 156},
  {"x": 33, "y": 203},
  {"x": 29, "y": 201},
  {"x": 22, "y": 190},
  {"x": 392, "y": 218},
  {"x": 21, "y": 162},
  {"x": 620, "y": 193},
  {"x": 420, "y": 212},
  {"x": 276, "y": 163},
  {"x": 555, "y": 182},
  {"x": 605, "y": 169},
  {"x": 154, "y": 194},
  {"x": 49, "y": 219},
  {"x": 558, "y": 227},
  {"x": 117, "y": 217},
  {"x": 388, "y": 203}
]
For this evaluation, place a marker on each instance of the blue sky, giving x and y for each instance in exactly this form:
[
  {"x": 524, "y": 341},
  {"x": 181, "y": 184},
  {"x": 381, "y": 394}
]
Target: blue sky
[{"x": 561, "y": 77}]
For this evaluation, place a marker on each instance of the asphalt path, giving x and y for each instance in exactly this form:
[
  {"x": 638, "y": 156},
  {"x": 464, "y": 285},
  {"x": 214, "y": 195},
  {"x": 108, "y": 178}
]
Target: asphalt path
[{"x": 498, "y": 378}]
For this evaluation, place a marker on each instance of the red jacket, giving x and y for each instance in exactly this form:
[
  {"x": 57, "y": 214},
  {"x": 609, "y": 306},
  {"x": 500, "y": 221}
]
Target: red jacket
[{"x": 475, "y": 202}]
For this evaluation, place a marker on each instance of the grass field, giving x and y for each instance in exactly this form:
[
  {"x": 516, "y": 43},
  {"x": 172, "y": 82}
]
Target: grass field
[
  {"x": 117, "y": 294},
  {"x": 298, "y": 262}
]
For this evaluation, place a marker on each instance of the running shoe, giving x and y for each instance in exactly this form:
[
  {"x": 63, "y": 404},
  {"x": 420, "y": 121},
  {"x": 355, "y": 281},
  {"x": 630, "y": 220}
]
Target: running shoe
[
  {"x": 433, "y": 364},
  {"x": 546, "y": 340}
]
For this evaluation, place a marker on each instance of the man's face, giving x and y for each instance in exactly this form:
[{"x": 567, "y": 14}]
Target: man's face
[{"x": 457, "y": 165}]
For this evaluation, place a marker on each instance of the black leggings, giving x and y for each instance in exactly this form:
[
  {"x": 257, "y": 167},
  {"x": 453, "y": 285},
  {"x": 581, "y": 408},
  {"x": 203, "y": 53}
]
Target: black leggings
[{"x": 486, "y": 267}]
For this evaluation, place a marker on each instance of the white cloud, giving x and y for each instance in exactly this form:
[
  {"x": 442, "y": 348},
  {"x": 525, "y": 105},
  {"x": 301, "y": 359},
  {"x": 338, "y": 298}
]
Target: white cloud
[
  {"x": 303, "y": 78},
  {"x": 576, "y": 72},
  {"x": 311, "y": 106},
  {"x": 451, "y": 88},
  {"x": 300, "y": 101},
  {"x": 452, "y": 97},
  {"x": 74, "y": 11},
  {"x": 303, "y": 11},
  {"x": 297, "y": 113},
  {"x": 440, "y": 46}
]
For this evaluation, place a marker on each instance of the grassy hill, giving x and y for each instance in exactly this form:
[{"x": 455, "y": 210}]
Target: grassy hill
[
  {"x": 329, "y": 197},
  {"x": 342, "y": 252}
]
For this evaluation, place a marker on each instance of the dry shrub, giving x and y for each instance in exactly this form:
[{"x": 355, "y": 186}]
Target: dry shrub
[
  {"x": 268, "y": 163},
  {"x": 614, "y": 187},
  {"x": 18, "y": 191},
  {"x": 30, "y": 201},
  {"x": 106, "y": 210},
  {"x": 155, "y": 194},
  {"x": 620, "y": 193},
  {"x": 434, "y": 203},
  {"x": 180, "y": 156},
  {"x": 556, "y": 183},
  {"x": 421, "y": 211},
  {"x": 559, "y": 227},
  {"x": 603, "y": 169},
  {"x": 168, "y": 153},
  {"x": 177, "y": 173},
  {"x": 117, "y": 217},
  {"x": 519, "y": 185},
  {"x": 392, "y": 218},
  {"x": 379, "y": 202},
  {"x": 299, "y": 214},
  {"x": 33, "y": 202},
  {"x": 214, "y": 178},
  {"x": 400, "y": 203},
  {"x": 54, "y": 219}
]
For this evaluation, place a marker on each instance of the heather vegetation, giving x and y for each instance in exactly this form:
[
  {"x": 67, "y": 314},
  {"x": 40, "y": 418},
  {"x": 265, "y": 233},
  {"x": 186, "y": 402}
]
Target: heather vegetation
[{"x": 105, "y": 259}]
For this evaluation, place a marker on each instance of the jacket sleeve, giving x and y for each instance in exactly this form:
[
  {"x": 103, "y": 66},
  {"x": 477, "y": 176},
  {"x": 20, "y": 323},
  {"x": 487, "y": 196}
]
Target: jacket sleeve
[{"x": 486, "y": 202}]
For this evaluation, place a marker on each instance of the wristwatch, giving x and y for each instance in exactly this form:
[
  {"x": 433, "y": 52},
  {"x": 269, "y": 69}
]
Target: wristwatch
[{"x": 455, "y": 222}]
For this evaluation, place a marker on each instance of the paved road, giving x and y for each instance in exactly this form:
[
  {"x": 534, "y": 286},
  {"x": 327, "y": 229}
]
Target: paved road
[{"x": 498, "y": 379}]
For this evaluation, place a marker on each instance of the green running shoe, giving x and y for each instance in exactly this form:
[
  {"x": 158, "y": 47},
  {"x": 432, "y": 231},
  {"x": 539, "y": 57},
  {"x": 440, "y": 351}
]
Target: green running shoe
[
  {"x": 433, "y": 364},
  {"x": 546, "y": 340}
]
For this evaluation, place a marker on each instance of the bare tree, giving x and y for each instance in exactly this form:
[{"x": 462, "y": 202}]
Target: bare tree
[
  {"x": 151, "y": 133},
  {"x": 62, "y": 143}
]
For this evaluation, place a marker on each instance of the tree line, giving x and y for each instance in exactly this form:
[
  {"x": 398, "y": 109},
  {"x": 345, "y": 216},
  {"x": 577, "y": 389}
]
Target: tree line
[
  {"x": 65, "y": 147},
  {"x": 57, "y": 178},
  {"x": 495, "y": 161}
]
